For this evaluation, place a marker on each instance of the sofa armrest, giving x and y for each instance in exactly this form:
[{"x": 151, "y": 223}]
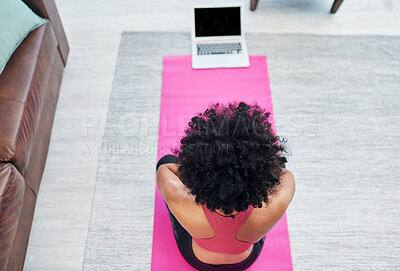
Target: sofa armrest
[
  {"x": 12, "y": 187},
  {"x": 47, "y": 9}
]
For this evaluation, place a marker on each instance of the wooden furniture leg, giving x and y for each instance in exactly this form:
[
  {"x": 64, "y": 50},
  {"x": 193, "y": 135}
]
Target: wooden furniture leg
[
  {"x": 336, "y": 5},
  {"x": 253, "y": 4}
]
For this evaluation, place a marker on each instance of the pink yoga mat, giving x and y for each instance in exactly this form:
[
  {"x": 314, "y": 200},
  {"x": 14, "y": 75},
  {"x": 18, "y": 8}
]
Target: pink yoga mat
[{"x": 186, "y": 92}]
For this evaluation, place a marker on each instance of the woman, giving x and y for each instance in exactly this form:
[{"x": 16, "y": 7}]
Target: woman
[{"x": 227, "y": 186}]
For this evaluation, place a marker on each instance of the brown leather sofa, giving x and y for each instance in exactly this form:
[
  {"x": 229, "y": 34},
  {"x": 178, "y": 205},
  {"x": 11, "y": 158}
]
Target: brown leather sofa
[{"x": 29, "y": 87}]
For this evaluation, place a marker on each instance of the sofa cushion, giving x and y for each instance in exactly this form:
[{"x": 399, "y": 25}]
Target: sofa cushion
[
  {"x": 16, "y": 21},
  {"x": 23, "y": 88},
  {"x": 12, "y": 187}
]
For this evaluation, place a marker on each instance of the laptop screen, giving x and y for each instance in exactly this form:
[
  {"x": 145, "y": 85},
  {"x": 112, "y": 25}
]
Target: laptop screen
[{"x": 216, "y": 21}]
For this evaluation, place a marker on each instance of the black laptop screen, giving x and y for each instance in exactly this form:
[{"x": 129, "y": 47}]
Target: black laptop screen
[{"x": 211, "y": 22}]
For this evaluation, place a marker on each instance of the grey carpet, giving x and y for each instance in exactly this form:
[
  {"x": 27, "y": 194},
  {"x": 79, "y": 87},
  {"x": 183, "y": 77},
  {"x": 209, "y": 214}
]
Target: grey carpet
[{"x": 336, "y": 100}]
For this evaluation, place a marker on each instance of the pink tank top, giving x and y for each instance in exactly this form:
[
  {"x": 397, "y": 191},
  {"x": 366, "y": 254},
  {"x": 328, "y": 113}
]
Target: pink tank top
[{"x": 225, "y": 228}]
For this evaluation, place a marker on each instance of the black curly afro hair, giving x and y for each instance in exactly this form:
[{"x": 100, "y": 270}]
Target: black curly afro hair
[{"x": 230, "y": 158}]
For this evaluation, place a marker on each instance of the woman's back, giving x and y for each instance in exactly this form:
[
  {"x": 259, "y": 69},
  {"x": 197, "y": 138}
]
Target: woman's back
[
  {"x": 258, "y": 223},
  {"x": 225, "y": 228}
]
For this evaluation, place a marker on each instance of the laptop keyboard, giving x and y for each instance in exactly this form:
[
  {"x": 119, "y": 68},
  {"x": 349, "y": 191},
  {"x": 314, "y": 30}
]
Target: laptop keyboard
[{"x": 219, "y": 48}]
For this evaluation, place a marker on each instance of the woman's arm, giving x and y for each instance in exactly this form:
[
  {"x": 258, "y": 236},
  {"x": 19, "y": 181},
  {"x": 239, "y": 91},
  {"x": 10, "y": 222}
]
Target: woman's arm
[
  {"x": 173, "y": 167},
  {"x": 279, "y": 203},
  {"x": 169, "y": 184},
  {"x": 179, "y": 199},
  {"x": 276, "y": 207}
]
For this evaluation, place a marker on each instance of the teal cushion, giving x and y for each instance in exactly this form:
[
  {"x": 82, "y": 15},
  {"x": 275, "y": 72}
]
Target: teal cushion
[{"x": 16, "y": 21}]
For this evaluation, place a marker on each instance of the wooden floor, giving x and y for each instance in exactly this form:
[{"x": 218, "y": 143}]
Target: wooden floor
[{"x": 94, "y": 29}]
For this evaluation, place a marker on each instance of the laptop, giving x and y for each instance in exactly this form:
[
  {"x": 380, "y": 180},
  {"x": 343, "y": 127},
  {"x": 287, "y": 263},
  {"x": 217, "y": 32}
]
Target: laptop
[{"x": 218, "y": 36}]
